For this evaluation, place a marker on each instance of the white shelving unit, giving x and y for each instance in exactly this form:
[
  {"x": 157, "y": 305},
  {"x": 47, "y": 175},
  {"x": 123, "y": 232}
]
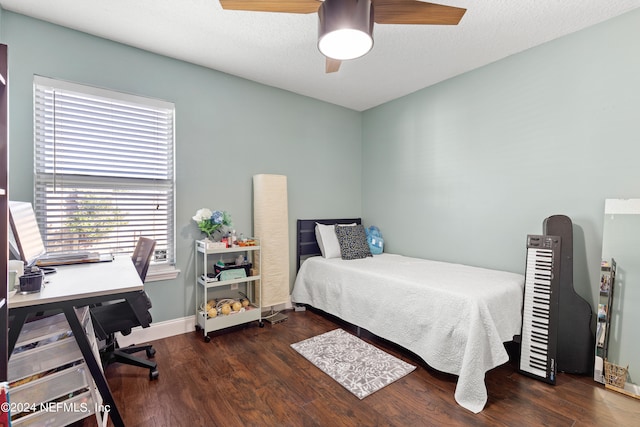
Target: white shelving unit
[
  {"x": 50, "y": 379},
  {"x": 206, "y": 289}
]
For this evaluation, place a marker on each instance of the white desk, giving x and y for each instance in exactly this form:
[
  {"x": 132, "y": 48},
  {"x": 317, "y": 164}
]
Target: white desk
[
  {"x": 76, "y": 286},
  {"x": 80, "y": 281}
]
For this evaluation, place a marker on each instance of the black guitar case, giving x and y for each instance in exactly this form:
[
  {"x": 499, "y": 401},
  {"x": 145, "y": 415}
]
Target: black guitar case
[{"x": 576, "y": 340}]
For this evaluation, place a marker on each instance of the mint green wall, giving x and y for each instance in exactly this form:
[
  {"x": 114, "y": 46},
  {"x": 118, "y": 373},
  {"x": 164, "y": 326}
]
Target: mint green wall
[
  {"x": 227, "y": 130},
  {"x": 462, "y": 171}
]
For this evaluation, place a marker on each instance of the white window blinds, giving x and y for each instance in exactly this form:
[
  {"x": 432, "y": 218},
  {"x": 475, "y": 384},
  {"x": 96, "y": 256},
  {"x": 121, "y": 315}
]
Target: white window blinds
[{"x": 104, "y": 169}]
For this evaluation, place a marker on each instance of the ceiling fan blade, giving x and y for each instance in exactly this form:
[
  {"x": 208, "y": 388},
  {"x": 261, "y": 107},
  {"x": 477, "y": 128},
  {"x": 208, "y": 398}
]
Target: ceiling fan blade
[
  {"x": 416, "y": 12},
  {"x": 283, "y": 6},
  {"x": 332, "y": 65}
]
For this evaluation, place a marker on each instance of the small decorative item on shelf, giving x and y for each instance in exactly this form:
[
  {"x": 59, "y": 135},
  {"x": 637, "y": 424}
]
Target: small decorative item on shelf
[
  {"x": 215, "y": 245},
  {"x": 211, "y": 221},
  {"x": 247, "y": 242},
  {"x": 225, "y": 307}
]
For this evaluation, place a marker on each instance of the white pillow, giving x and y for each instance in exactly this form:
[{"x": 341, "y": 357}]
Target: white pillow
[{"x": 328, "y": 241}]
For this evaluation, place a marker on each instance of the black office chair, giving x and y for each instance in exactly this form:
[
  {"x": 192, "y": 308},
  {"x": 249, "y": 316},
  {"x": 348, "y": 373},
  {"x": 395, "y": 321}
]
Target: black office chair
[{"x": 123, "y": 315}]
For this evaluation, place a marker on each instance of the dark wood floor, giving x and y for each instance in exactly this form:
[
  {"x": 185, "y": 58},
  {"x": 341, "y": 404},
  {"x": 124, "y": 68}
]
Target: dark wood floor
[{"x": 251, "y": 376}]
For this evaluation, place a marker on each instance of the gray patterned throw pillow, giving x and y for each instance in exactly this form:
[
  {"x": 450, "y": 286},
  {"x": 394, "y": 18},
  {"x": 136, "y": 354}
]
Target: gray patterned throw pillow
[{"x": 353, "y": 241}]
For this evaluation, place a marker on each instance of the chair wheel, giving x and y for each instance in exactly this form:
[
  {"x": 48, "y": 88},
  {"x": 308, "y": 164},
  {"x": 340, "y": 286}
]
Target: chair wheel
[
  {"x": 151, "y": 352},
  {"x": 153, "y": 374},
  {"x": 207, "y": 338}
]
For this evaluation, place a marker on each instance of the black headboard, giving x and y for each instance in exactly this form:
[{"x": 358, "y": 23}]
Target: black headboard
[{"x": 306, "y": 237}]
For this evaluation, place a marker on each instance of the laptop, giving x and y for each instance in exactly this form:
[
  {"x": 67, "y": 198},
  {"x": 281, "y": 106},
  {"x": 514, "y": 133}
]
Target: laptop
[{"x": 26, "y": 241}]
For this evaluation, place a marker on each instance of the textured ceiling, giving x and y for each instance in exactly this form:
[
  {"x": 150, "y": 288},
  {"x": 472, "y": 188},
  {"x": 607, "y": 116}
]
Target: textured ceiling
[{"x": 280, "y": 49}]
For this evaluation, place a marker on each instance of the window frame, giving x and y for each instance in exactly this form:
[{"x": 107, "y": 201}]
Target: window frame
[{"x": 158, "y": 270}]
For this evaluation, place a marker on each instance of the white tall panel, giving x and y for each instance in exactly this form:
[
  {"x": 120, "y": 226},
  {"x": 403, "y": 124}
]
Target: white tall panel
[{"x": 271, "y": 226}]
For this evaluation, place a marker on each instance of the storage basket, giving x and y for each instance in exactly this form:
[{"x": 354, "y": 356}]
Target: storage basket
[
  {"x": 615, "y": 375},
  {"x": 231, "y": 266}
]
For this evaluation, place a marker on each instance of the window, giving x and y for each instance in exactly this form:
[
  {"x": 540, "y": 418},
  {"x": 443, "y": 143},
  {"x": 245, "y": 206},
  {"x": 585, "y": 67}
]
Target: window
[{"x": 104, "y": 169}]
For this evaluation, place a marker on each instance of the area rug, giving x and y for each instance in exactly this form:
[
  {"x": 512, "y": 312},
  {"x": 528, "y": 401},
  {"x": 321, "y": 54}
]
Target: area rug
[{"x": 356, "y": 365}]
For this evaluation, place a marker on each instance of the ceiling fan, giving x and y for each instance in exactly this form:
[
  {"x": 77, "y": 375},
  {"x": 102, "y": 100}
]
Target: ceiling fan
[{"x": 345, "y": 27}]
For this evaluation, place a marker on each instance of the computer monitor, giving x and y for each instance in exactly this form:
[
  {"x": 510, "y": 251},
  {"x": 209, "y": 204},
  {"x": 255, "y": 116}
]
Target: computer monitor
[{"x": 25, "y": 231}]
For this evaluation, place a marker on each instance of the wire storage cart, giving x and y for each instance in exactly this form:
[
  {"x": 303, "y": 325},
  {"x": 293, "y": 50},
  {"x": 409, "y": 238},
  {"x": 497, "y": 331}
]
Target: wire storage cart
[{"x": 227, "y": 292}]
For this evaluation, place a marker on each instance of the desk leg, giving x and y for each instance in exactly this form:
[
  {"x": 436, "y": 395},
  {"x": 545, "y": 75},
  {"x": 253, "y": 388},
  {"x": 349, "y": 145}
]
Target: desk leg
[{"x": 93, "y": 364}]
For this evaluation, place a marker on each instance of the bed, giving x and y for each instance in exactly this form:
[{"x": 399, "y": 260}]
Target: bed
[{"x": 455, "y": 317}]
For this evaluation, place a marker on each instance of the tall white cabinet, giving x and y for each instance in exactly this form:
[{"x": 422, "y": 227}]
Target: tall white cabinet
[{"x": 211, "y": 287}]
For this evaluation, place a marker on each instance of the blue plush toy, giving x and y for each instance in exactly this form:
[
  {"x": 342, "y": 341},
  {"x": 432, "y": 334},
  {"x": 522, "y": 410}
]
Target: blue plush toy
[{"x": 375, "y": 240}]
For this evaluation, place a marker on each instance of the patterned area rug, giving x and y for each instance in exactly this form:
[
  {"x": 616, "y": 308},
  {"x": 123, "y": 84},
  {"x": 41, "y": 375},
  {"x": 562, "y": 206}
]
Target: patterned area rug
[{"x": 358, "y": 366}]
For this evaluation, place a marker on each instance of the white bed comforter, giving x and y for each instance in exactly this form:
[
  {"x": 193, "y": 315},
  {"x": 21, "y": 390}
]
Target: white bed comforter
[{"x": 453, "y": 316}]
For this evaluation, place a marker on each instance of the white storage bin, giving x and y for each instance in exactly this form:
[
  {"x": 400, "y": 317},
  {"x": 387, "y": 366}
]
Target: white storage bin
[
  {"x": 42, "y": 329},
  {"x": 225, "y": 321},
  {"x": 43, "y": 358},
  {"x": 60, "y": 414},
  {"x": 51, "y": 386},
  {"x": 45, "y": 345}
]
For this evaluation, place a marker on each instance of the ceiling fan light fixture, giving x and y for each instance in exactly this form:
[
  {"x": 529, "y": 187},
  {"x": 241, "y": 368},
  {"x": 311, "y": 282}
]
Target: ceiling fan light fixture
[
  {"x": 345, "y": 28},
  {"x": 345, "y": 44}
]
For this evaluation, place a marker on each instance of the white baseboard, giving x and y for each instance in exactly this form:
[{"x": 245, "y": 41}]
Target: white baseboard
[
  {"x": 169, "y": 328},
  {"x": 158, "y": 330},
  {"x": 632, "y": 388}
]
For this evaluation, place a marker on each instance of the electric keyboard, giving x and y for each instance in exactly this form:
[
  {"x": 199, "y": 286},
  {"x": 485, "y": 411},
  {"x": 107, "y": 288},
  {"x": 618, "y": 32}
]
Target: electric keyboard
[{"x": 540, "y": 308}]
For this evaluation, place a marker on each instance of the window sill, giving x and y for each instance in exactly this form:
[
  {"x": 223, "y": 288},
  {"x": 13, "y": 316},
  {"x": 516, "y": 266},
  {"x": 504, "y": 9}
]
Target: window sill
[{"x": 161, "y": 272}]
